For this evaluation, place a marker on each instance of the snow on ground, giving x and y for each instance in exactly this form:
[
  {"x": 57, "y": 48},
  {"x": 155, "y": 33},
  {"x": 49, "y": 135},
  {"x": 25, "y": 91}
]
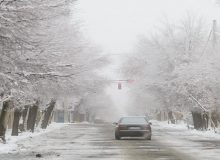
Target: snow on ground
[
  {"x": 201, "y": 145},
  {"x": 84, "y": 122},
  {"x": 183, "y": 128},
  {"x": 11, "y": 141}
]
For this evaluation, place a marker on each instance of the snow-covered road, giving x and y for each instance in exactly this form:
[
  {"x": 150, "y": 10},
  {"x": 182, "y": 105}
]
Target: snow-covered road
[{"x": 87, "y": 141}]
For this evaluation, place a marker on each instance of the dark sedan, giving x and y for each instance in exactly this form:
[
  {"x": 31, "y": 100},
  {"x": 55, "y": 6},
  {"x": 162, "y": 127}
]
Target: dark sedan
[{"x": 135, "y": 126}]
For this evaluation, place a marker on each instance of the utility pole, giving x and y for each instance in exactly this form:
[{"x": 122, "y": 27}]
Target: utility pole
[{"x": 214, "y": 36}]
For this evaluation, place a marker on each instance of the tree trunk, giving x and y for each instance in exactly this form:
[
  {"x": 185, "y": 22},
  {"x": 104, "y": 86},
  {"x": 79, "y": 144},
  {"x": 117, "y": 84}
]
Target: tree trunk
[
  {"x": 197, "y": 120},
  {"x": 47, "y": 114},
  {"x": 4, "y": 119},
  {"x": 32, "y": 117},
  {"x": 205, "y": 121},
  {"x": 171, "y": 117},
  {"x": 24, "y": 113},
  {"x": 87, "y": 116},
  {"x": 39, "y": 117},
  {"x": 17, "y": 116},
  {"x": 51, "y": 118},
  {"x": 11, "y": 119},
  {"x": 215, "y": 118}
]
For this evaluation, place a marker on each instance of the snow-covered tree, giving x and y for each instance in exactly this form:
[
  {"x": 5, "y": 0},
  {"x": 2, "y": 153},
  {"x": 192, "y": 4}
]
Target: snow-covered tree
[
  {"x": 43, "y": 54},
  {"x": 176, "y": 62}
]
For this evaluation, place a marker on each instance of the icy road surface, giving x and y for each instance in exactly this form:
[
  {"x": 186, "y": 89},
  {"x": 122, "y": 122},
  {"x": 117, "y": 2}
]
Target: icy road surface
[{"x": 87, "y": 141}]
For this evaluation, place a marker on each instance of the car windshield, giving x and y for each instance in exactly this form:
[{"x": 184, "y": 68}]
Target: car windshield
[{"x": 133, "y": 120}]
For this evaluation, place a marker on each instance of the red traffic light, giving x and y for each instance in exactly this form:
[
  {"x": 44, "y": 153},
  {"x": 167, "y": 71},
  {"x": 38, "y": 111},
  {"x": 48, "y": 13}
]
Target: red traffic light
[{"x": 119, "y": 86}]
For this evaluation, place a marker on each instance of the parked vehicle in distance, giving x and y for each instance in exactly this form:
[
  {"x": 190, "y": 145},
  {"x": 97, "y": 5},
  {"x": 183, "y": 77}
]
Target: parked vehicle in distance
[{"x": 133, "y": 126}]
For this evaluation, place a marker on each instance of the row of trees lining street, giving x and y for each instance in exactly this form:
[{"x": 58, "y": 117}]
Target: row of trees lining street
[
  {"x": 44, "y": 61},
  {"x": 178, "y": 71}
]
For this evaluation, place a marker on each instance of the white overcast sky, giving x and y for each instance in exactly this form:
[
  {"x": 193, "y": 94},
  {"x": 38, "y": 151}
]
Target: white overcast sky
[{"x": 115, "y": 24}]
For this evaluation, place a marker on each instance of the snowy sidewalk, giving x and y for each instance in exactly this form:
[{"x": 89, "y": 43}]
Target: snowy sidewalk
[
  {"x": 11, "y": 141},
  {"x": 210, "y": 134},
  {"x": 201, "y": 145}
]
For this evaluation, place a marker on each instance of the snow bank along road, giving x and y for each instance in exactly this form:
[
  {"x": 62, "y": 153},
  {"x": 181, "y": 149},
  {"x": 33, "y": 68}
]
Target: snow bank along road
[{"x": 87, "y": 141}]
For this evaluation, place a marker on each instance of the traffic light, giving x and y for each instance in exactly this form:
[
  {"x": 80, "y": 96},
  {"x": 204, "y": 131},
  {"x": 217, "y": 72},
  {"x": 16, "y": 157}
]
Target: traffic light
[{"x": 119, "y": 85}]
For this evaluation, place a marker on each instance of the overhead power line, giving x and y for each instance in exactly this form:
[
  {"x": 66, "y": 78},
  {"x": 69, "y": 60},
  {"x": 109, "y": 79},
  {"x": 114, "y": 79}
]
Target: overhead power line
[{"x": 207, "y": 42}]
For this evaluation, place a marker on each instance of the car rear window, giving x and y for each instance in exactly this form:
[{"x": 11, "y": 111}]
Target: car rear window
[{"x": 133, "y": 120}]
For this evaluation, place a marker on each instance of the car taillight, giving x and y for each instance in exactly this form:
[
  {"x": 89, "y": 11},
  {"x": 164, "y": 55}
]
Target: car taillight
[{"x": 122, "y": 127}]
